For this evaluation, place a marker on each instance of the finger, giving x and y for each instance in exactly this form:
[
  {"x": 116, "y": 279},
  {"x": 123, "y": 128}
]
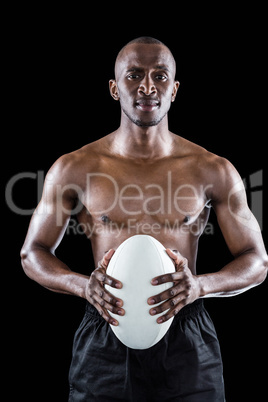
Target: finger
[
  {"x": 172, "y": 312},
  {"x": 111, "y": 306},
  {"x": 162, "y": 279},
  {"x": 101, "y": 276},
  {"x": 114, "y": 283},
  {"x": 105, "y": 315},
  {"x": 166, "y": 294},
  {"x": 110, "y": 298},
  {"x": 168, "y": 304},
  {"x": 101, "y": 310},
  {"x": 173, "y": 253},
  {"x": 106, "y": 259},
  {"x": 172, "y": 277},
  {"x": 176, "y": 256}
]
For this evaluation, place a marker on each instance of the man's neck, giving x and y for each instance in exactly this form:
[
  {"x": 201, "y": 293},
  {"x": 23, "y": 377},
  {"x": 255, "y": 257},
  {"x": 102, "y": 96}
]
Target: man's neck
[{"x": 139, "y": 142}]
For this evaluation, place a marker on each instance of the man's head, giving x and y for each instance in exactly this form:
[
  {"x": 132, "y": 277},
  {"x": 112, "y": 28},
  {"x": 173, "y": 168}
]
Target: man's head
[{"x": 145, "y": 81}]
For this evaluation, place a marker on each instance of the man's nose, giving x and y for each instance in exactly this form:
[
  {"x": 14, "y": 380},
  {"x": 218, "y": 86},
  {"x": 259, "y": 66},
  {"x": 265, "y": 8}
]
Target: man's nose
[{"x": 147, "y": 86}]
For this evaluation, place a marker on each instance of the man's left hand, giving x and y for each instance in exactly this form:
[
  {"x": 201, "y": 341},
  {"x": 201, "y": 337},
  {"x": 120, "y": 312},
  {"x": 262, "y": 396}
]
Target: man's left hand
[{"x": 185, "y": 289}]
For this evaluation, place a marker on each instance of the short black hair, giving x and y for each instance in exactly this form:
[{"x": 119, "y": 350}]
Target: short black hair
[{"x": 148, "y": 40}]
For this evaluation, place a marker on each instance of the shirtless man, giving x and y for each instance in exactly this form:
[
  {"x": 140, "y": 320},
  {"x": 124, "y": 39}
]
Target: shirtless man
[{"x": 143, "y": 179}]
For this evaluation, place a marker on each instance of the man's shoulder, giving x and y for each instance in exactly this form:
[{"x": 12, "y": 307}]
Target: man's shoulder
[
  {"x": 71, "y": 166},
  {"x": 211, "y": 167},
  {"x": 85, "y": 156},
  {"x": 186, "y": 148},
  {"x": 217, "y": 171}
]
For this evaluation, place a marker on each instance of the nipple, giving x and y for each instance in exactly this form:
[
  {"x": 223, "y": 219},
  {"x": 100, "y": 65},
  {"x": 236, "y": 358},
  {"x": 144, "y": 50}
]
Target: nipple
[
  {"x": 186, "y": 219},
  {"x": 105, "y": 219}
]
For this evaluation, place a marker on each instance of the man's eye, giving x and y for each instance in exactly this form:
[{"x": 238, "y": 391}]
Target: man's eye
[
  {"x": 133, "y": 76},
  {"x": 161, "y": 77}
]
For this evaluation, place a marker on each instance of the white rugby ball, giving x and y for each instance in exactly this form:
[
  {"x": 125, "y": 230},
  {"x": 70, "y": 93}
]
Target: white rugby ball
[{"x": 135, "y": 263}]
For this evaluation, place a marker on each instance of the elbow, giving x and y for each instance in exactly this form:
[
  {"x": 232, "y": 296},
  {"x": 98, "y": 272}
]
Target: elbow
[
  {"x": 24, "y": 257},
  {"x": 263, "y": 270},
  {"x": 23, "y": 254},
  {"x": 25, "y": 261}
]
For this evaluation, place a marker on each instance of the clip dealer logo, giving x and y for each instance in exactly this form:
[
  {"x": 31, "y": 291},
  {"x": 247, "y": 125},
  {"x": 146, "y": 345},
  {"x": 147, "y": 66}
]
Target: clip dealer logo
[{"x": 21, "y": 203}]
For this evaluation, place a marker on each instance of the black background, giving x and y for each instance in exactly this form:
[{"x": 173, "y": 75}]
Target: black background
[{"x": 57, "y": 66}]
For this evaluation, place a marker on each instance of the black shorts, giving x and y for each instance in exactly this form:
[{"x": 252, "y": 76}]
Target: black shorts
[{"x": 185, "y": 365}]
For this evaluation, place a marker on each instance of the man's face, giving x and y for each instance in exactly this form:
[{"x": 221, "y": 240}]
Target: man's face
[{"x": 145, "y": 83}]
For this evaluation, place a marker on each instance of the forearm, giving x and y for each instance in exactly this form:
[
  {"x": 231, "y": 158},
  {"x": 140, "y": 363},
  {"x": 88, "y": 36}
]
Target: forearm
[
  {"x": 244, "y": 272},
  {"x": 45, "y": 268}
]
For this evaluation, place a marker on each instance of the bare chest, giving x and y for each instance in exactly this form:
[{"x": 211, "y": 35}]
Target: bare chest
[{"x": 147, "y": 196}]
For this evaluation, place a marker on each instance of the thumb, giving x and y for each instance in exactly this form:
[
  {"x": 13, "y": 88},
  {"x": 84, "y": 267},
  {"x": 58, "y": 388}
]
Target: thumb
[
  {"x": 106, "y": 259},
  {"x": 175, "y": 255}
]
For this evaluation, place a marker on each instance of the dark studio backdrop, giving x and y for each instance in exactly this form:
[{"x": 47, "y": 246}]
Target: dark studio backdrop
[{"x": 58, "y": 100}]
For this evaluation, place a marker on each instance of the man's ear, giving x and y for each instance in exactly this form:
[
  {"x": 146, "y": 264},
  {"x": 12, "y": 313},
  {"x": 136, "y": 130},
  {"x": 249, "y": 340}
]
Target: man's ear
[
  {"x": 175, "y": 90},
  {"x": 114, "y": 89}
]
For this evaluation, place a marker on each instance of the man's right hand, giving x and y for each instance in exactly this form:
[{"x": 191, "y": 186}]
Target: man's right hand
[{"x": 99, "y": 297}]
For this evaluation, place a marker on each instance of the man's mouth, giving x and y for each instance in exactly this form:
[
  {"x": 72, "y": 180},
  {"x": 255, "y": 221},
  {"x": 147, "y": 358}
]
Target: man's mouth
[{"x": 147, "y": 105}]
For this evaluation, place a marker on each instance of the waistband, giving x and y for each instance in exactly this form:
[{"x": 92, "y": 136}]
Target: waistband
[{"x": 189, "y": 310}]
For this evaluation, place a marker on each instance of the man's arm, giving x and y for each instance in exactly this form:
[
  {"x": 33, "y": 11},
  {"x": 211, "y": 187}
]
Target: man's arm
[
  {"x": 242, "y": 235},
  {"x": 243, "y": 238},
  {"x": 46, "y": 230}
]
